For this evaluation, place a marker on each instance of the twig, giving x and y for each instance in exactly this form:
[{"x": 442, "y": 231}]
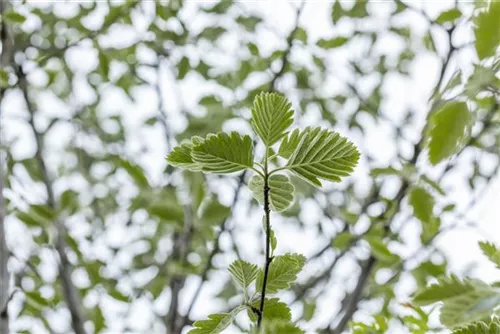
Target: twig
[{"x": 70, "y": 292}]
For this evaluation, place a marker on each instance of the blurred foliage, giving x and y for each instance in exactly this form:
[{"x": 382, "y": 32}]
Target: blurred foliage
[{"x": 100, "y": 226}]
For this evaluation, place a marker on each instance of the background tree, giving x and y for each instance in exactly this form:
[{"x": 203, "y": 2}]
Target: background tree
[{"x": 99, "y": 234}]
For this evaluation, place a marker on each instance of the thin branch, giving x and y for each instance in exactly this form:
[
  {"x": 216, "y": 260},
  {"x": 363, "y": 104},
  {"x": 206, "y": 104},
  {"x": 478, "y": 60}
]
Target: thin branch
[
  {"x": 286, "y": 54},
  {"x": 70, "y": 292}
]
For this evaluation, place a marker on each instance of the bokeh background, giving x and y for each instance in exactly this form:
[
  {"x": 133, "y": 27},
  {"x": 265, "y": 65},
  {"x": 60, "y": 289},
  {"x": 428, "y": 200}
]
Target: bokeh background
[{"x": 102, "y": 233}]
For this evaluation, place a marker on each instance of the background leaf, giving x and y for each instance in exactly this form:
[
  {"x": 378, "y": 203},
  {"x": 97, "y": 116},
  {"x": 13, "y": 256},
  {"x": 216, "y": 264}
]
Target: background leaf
[{"x": 448, "y": 130}]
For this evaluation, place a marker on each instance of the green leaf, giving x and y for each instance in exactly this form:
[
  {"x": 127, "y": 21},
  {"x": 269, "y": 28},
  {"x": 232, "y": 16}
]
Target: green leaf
[
  {"x": 445, "y": 288},
  {"x": 449, "y": 16},
  {"x": 181, "y": 157},
  {"x": 249, "y": 22},
  {"x": 167, "y": 209},
  {"x": 380, "y": 250},
  {"x": 290, "y": 142},
  {"x": 337, "y": 12},
  {"x": 4, "y": 78},
  {"x": 280, "y": 191},
  {"x": 212, "y": 212},
  {"x": 464, "y": 301},
  {"x": 98, "y": 319},
  {"x": 135, "y": 172},
  {"x": 272, "y": 115},
  {"x": 491, "y": 251},
  {"x": 183, "y": 68},
  {"x": 280, "y": 327},
  {"x": 12, "y": 17},
  {"x": 376, "y": 172},
  {"x": 332, "y": 43},
  {"x": 224, "y": 153},
  {"x": 309, "y": 309},
  {"x": 220, "y": 7},
  {"x": 480, "y": 327},
  {"x": 216, "y": 323},
  {"x": 283, "y": 271},
  {"x": 274, "y": 309},
  {"x": 449, "y": 127},
  {"x": 243, "y": 273},
  {"x": 343, "y": 240},
  {"x": 323, "y": 154},
  {"x": 422, "y": 203},
  {"x": 36, "y": 297},
  {"x": 488, "y": 31},
  {"x": 119, "y": 296}
]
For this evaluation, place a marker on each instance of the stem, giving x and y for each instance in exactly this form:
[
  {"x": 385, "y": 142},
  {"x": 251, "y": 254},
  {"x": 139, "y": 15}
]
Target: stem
[
  {"x": 257, "y": 171},
  {"x": 267, "y": 216},
  {"x": 277, "y": 170}
]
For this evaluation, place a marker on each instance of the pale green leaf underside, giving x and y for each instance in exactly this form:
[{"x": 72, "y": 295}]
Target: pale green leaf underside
[
  {"x": 283, "y": 271},
  {"x": 272, "y": 114},
  {"x": 449, "y": 128},
  {"x": 215, "y": 323},
  {"x": 243, "y": 273},
  {"x": 491, "y": 251},
  {"x": 480, "y": 327},
  {"x": 224, "y": 153},
  {"x": 323, "y": 154},
  {"x": 280, "y": 191},
  {"x": 274, "y": 309},
  {"x": 181, "y": 157}
]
